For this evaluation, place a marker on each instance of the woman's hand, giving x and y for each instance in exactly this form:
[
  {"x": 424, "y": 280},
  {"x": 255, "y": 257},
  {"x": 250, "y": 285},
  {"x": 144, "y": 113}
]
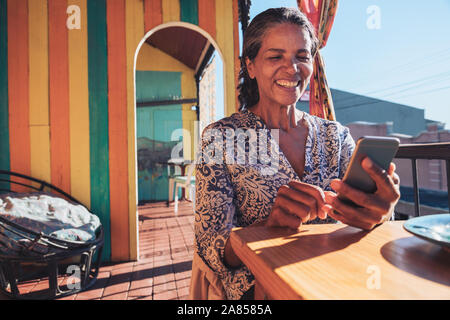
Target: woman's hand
[
  {"x": 297, "y": 203},
  {"x": 375, "y": 208}
]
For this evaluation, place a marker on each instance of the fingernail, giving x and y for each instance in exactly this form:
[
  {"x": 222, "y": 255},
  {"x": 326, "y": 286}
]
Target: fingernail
[
  {"x": 368, "y": 163},
  {"x": 336, "y": 185},
  {"x": 328, "y": 198}
]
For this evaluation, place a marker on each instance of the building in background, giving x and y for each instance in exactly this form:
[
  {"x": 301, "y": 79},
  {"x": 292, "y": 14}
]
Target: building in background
[
  {"x": 366, "y": 116},
  {"x": 350, "y": 107}
]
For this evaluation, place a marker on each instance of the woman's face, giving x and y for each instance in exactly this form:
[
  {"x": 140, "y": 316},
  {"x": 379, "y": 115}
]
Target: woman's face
[{"x": 283, "y": 65}]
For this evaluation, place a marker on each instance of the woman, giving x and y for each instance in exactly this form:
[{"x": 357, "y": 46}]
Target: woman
[{"x": 278, "y": 50}]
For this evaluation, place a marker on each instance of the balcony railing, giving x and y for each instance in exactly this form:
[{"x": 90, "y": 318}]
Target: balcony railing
[{"x": 429, "y": 151}]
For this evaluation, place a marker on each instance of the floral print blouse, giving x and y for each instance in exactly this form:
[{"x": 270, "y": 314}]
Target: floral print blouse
[{"x": 236, "y": 186}]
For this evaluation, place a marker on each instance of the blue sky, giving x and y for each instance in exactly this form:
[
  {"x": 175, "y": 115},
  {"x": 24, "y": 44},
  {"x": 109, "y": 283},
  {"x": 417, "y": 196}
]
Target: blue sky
[{"x": 404, "y": 59}]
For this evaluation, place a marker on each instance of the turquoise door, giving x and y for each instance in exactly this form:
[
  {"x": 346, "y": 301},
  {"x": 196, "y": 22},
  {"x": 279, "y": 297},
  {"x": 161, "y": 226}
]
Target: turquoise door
[{"x": 154, "y": 130}]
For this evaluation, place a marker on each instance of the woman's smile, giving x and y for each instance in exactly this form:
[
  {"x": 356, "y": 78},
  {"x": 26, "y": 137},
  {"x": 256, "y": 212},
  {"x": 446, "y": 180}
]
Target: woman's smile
[
  {"x": 288, "y": 84},
  {"x": 283, "y": 66}
]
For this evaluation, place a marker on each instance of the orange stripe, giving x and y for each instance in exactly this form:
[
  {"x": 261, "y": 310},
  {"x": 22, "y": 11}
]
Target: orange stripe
[
  {"x": 18, "y": 88},
  {"x": 152, "y": 14},
  {"x": 207, "y": 16},
  {"x": 59, "y": 94},
  {"x": 237, "y": 63},
  {"x": 118, "y": 147}
]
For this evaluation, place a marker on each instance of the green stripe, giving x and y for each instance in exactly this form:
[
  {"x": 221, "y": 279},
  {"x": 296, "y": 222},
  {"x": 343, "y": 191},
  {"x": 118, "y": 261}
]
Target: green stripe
[
  {"x": 189, "y": 11},
  {"x": 98, "y": 116},
  {"x": 4, "y": 118}
]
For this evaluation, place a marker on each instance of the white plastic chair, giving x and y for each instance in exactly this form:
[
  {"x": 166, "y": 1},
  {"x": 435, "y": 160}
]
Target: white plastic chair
[{"x": 186, "y": 182}]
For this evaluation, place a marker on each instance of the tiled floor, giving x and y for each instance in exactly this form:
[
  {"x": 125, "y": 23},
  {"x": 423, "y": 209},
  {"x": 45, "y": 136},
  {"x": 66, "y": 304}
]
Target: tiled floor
[{"x": 163, "y": 271}]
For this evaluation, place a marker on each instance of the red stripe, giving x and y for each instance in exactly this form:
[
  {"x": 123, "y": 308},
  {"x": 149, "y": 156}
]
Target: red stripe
[
  {"x": 207, "y": 16},
  {"x": 59, "y": 94},
  {"x": 152, "y": 14},
  {"x": 118, "y": 146},
  {"x": 18, "y": 88}
]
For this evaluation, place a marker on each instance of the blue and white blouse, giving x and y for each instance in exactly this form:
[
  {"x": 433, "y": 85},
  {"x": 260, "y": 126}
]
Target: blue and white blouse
[{"x": 236, "y": 186}]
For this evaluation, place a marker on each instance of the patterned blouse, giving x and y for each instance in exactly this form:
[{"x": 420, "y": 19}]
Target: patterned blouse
[{"x": 236, "y": 188}]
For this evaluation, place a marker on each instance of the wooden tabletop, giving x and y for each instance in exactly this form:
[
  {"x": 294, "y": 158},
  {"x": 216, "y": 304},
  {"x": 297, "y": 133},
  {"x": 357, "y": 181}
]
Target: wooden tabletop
[{"x": 335, "y": 261}]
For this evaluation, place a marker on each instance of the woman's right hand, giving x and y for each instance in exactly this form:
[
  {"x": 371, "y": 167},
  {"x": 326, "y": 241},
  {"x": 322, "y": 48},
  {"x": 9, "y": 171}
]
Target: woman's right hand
[{"x": 296, "y": 203}]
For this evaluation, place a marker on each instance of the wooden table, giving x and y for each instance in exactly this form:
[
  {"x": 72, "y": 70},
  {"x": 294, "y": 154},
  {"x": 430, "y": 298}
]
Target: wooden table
[{"x": 335, "y": 261}]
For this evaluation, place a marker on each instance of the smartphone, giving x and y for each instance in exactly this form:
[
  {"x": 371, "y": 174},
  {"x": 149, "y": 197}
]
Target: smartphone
[{"x": 381, "y": 150}]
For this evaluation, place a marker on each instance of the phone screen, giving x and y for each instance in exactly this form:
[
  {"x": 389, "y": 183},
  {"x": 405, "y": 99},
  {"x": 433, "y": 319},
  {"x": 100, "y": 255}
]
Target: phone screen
[{"x": 381, "y": 150}]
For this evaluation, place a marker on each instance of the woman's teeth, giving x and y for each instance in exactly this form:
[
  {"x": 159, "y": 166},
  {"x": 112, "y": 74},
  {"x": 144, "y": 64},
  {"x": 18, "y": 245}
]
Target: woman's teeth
[{"x": 287, "y": 84}]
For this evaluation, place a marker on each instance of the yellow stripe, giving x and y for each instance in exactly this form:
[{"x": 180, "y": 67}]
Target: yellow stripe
[
  {"x": 134, "y": 34},
  {"x": 224, "y": 38},
  {"x": 170, "y": 10},
  {"x": 38, "y": 77},
  {"x": 40, "y": 152},
  {"x": 153, "y": 59},
  {"x": 79, "y": 108}
]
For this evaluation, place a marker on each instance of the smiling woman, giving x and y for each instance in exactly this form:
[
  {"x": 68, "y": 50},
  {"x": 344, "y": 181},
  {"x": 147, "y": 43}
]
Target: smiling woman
[
  {"x": 283, "y": 67},
  {"x": 307, "y": 47},
  {"x": 291, "y": 158}
]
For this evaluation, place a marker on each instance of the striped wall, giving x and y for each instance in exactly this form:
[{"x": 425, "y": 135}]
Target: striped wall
[{"x": 67, "y": 96}]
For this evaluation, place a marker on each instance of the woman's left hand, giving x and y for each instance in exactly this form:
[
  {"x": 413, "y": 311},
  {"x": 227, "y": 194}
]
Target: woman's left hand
[{"x": 375, "y": 208}]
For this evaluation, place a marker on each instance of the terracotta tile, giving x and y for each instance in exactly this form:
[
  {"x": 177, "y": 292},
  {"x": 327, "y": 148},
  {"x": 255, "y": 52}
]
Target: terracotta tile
[
  {"x": 119, "y": 278},
  {"x": 26, "y": 287},
  {"x": 142, "y": 272},
  {"x": 162, "y": 268},
  {"x": 183, "y": 275},
  {"x": 163, "y": 278},
  {"x": 106, "y": 268},
  {"x": 122, "y": 270},
  {"x": 144, "y": 298},
  {"x": 167, "y": 295},
  {"x": 167, "y": 286},
  {"x": 141, "y": 283},
  {"x": 182, "y": 265},
  {"x": 142, "y": 261},
  {"x": 103, "y": 274},
  {"x": 123, "y": 265},
  {"x": 183, "y": 293},
  {"x": 183, "y": 283},
  {"x": 117, "y": 296},
  {"x": 116, "y": 288},
  {"x": 162, "y": 261},
  {"x": 143, "y": 266},
  {"x": 90, "y": 294},
  {"x": 70, "y": 297},
  {"x": 180, "y": 256},
  {"x": 102, "y": 281},
  {"x": 141, "y": 292}
]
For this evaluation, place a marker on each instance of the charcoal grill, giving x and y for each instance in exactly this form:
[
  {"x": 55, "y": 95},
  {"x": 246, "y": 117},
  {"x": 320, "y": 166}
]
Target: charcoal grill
[{"x": 43, "y": 257}]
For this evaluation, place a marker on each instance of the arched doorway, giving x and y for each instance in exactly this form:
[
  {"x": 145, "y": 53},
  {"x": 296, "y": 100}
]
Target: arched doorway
[{"x": 179, "y": 89}]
